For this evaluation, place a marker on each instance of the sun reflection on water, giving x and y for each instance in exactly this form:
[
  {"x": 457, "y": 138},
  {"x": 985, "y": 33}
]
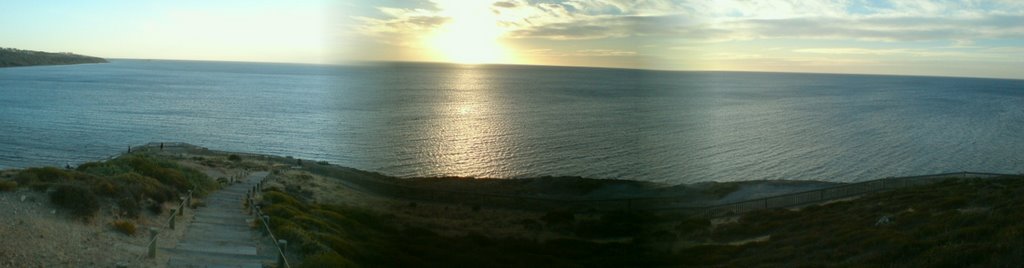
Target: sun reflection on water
[{"x": 470, "y": 134}]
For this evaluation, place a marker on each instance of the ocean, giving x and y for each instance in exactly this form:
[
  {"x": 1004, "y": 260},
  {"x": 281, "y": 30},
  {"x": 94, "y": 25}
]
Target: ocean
[{"x": 505, "y": 121}]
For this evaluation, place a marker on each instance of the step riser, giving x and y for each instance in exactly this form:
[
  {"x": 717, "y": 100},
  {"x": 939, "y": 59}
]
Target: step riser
[{"x": 219, "y": 234}]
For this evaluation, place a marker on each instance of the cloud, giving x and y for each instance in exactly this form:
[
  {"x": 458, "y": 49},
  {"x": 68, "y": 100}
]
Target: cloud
[
  {"x": 762, "y": 19},
  {"x": 889, "y": 29},
  {"x": 583, "y": 53},
  {"x": 886, "y": 52},
  {"x": 505, "y": 4},
  {"x": 597, "y": 27},
  {"x": 398, "y": 20}
]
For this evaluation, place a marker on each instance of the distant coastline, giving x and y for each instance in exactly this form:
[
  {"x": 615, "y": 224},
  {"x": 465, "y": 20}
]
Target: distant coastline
[{"x": 12, "y": 57}]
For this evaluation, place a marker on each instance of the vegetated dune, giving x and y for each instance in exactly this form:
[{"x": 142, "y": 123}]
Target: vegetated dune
[{"x": 334, "y": 216}]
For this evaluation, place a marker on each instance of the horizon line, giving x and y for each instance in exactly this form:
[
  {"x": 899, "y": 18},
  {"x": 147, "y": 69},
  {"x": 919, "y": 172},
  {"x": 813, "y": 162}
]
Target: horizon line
[{"x": 371, "y": 62}]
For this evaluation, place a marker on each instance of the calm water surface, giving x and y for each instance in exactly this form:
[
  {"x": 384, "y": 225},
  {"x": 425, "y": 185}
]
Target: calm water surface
[{"x": 516, "y": 121}]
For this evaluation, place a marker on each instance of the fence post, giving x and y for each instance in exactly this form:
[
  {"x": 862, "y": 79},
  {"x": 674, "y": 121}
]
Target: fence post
[
  {"x": 280, "y": 258},
  {"x": 174, "y": 213},
  {"x": 765, "y": 202},
  {"x": 181, "y": 212},
  {"x": 152, "y": 242}
]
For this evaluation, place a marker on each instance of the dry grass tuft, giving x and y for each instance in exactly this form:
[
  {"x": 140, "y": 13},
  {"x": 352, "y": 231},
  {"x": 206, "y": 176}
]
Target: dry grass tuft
[
  {"x": 124, "y": 226},
  {"x": 8, "y": 186}
]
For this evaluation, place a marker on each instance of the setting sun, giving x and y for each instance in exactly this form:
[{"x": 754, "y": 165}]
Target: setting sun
[{"x": 471, "y": 37}]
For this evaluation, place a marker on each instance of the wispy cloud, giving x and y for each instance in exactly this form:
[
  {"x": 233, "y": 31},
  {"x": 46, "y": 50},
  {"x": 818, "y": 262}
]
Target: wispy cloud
[{"x": 582, "y": 53}]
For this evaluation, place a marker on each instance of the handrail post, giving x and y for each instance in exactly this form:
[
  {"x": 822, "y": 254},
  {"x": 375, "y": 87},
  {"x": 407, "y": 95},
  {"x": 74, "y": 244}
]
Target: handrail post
[
  {"x": 152, "y": 242},
  {"x": 174, "y": 213},
  {"x": 281, "y": 244}
]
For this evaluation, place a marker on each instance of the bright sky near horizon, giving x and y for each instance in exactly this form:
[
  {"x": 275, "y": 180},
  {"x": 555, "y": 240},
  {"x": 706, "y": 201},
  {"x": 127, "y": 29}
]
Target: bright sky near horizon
[{"x": 917, "y": 37}]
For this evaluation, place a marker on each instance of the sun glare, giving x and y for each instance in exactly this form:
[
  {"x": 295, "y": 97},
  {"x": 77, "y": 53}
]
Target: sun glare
[{"x": 471, "y": 37}]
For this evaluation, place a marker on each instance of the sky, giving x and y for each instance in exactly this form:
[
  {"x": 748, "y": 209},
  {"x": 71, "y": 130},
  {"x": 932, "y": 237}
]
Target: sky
[{"x": 909, "y": 37}]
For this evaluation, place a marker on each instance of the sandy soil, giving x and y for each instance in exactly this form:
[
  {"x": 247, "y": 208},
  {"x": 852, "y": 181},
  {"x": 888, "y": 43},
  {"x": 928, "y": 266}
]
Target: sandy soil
[{"x": 47, "y": 236}]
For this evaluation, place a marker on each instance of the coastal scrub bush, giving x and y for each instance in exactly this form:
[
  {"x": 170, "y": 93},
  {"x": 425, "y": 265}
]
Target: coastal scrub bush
[
  {"x": 49, "y": 174},
  {"x": 141, "y": 187},
  {"x": 169, "y": 173},
  {"x": 164, "y": 171},
  {"x": 279, "y": 198},
  {"x": 80, "y": 200},
  {"x": 234, "y": 157},
  {"x": 156, "y": 208},
  {"x": 328, "y": 259},
  {"x": 558, "y": 217},
  {"x": 8, "y": 186},
  {"x": 616, "y": 224},
  {"x": 301, "y": 239},
  {"x": 106, "y": 187},
  {"x": 102, "y": 169},
  {"x": 721, "y": 189},
  {"x": 26, "y": 178},
  {"x": 42, "y": 178},
  {"x": 690, "y": 225},
  {"x": 124, "y": 226},
  {"x": 282, "y": 211},
  {"x": 129, "y": 207}
]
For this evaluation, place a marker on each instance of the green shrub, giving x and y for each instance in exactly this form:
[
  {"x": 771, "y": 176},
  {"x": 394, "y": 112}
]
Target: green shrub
[
  {"x": 156, "y": 208},
  {"x": 616, "y": 224},
  {"x": 8, "y": 186},
  {"x": 141, "y": 187},
  {"x": 50, "y": 174},
  {"x": 234, "y": 157},
  {"x": 282, "y": 211},
  {"x": 123, "y": 226},
  {"x": 559, "y": 217},
  {"x": 197, "y": 203},
  {"x": 80, "y": 200},
  {"x": 279, "y": 198},
  {"x": 103, "y": 169},
  {"x": 298, "y": 237},
  {"x": 129, "y": 207},
  {"x": 106, "y": 187},
  {"x": 26, "y": 178},
  {"x": 329, "y": 259},
  {"x": 691, "y": 225}
]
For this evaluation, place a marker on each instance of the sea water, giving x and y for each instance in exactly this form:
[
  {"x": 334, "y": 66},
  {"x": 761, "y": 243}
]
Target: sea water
[{"x": 420, "y": 119}]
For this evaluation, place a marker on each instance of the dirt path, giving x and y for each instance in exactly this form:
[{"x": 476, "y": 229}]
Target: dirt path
[{"x": 220, "y": 234}]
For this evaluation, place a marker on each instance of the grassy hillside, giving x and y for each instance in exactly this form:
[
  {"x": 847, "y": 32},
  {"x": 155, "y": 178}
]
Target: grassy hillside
[{"x": 955, "y": 223}]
